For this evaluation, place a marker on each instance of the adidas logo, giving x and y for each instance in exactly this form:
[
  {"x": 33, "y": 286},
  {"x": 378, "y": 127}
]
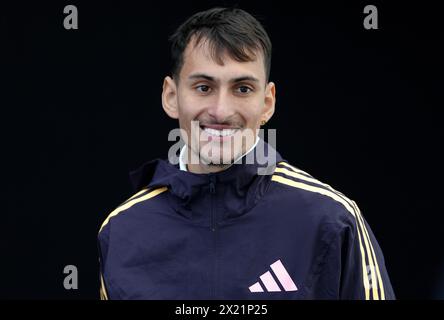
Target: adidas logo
[{"x": 270, "y": 283}]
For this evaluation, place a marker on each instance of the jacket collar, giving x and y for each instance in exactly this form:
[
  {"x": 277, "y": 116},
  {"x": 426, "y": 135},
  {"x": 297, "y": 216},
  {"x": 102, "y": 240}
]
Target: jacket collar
[{"x": 237, "y": 188}]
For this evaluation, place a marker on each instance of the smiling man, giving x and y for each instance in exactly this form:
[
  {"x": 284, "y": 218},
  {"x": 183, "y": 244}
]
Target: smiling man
[
  {"x": 233, "y": 219},
  {"x": 220, "y": 85}
]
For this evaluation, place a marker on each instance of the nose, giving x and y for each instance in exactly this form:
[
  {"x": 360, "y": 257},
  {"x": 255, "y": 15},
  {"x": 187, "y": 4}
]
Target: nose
[{"x": 222, "y": 107}]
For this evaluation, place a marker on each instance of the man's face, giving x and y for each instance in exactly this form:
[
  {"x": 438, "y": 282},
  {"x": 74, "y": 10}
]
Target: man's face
[{"x": 229, "y": 101}]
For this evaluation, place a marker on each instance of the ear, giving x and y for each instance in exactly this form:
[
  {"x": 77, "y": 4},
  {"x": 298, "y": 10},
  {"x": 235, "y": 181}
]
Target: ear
[
  {"x": 269, "y": 101},
  {"x": 169, "y": 97}
]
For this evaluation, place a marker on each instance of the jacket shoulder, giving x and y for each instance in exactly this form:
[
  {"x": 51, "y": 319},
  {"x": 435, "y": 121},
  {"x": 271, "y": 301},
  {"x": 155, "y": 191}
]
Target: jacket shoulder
[
  {"x": 142, "y": 196},
  {"x": 353, "y": 248},
  {"x": 301, "y": 189}
]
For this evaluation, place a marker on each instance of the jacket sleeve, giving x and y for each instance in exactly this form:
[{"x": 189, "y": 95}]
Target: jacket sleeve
[
  {"x": 356, "y": 262},
  {"x": 102, "y": 243}
]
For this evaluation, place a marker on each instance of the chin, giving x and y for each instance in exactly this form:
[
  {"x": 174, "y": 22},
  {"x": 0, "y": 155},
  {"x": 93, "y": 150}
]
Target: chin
[{"x": 228, "y": 159}]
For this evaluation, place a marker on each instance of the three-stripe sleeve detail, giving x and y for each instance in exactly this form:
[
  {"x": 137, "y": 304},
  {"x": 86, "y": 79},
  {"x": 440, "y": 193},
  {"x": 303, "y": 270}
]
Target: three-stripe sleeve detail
[{"x": 289, "y": 175}]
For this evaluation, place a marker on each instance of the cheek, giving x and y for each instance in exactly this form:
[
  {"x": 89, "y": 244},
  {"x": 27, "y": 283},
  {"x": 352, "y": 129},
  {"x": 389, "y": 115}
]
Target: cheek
[
  {"x": 185, "y": 110},
  {"x": 188, "y": 107},
  {"x": 252, "y": 110}
]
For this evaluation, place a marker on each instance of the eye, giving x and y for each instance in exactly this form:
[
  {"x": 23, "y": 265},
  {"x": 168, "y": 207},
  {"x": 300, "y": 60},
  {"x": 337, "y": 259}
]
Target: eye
[
  {"x": 244, "y": 89},
  {"x": 203, "y": 88}
]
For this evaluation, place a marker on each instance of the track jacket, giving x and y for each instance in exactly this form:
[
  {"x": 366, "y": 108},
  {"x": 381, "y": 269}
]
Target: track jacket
[{"x": 237, "y": 234}]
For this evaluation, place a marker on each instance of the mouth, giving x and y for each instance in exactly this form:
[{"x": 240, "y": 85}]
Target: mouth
[{"x": 219, "y": 130}]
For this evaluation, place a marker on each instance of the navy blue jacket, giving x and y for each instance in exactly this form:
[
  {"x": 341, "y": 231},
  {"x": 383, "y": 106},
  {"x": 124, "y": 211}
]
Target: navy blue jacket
[{"x": 237, "y": 234}]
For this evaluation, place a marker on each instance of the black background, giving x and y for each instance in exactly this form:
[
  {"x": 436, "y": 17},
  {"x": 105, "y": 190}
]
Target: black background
[{"x": 358, "y": 109}]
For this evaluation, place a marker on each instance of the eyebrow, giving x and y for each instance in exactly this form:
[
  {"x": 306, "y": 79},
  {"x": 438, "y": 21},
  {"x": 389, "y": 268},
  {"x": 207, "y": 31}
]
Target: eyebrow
[{"x": 234, "y": 80}]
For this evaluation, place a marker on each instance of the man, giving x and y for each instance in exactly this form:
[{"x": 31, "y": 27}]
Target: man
[{"x": 207, "y": 228}]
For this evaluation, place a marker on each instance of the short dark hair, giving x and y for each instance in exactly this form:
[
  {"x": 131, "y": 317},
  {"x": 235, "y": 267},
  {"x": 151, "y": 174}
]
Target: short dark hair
[{"x": 227, "y": 29}]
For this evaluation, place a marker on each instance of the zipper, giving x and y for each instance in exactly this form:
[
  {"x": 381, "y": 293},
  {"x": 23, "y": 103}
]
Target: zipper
[
  {"x": 213, "y": 229},
  {"x": 212, "y": 193}
]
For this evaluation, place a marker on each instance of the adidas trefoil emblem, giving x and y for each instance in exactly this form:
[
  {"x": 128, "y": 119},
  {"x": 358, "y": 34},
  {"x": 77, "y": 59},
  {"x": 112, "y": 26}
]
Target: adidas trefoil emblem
[{"x": 270, "y": 283}]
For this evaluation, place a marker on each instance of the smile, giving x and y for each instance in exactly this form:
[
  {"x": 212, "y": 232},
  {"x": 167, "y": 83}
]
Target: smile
[{"x": 220, "y": 133}]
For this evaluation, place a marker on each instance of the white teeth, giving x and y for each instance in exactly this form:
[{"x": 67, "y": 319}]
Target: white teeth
[{"x": 219, "y": 133}]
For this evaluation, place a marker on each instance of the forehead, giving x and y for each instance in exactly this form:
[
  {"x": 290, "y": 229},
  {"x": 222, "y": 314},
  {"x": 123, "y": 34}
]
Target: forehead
[{"x": 199, "y": 58}]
